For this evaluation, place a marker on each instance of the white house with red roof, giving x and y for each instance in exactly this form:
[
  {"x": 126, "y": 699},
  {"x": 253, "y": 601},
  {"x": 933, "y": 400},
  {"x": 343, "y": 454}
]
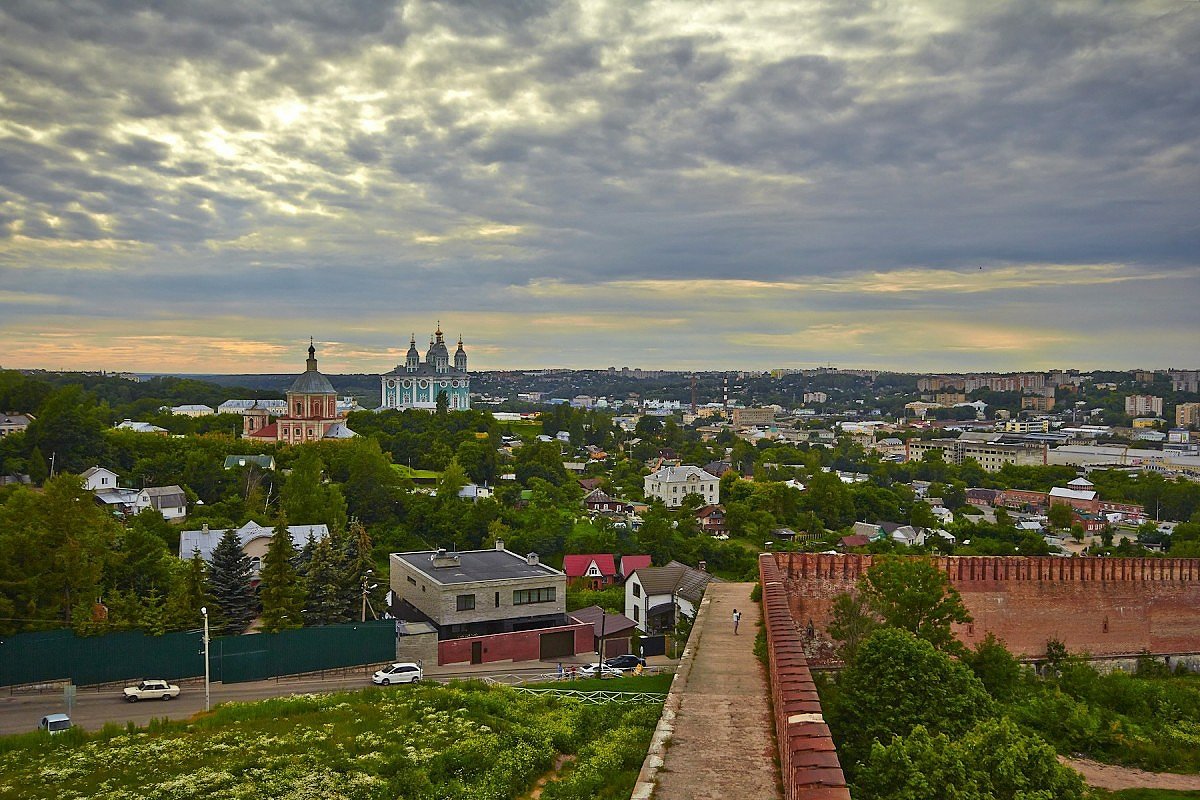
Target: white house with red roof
[{"x": 596, "y": 570}]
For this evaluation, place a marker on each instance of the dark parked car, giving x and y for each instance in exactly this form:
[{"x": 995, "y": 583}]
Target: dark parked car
[{"x": 624, "y": 662}]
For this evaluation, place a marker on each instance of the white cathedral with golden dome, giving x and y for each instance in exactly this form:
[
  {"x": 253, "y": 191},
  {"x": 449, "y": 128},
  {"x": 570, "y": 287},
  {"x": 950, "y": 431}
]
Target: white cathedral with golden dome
[{"x": 414, "y": 384}]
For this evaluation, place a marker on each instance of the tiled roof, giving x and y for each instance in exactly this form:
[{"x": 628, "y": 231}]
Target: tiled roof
[
  {"x": 576, "y": 566},
  {"x": 603, "y": 623},
  {"x": 631, "y": 563}
]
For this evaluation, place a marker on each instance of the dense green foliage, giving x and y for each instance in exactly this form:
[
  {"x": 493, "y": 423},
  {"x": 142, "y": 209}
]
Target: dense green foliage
[
  {"x": 465, "y": 740},
  {"x": 1151, "y": 720}
]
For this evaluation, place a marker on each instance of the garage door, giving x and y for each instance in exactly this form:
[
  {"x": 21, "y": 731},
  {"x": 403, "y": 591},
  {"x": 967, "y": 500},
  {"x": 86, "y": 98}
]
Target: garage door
[{"x": 557, "y": 644}]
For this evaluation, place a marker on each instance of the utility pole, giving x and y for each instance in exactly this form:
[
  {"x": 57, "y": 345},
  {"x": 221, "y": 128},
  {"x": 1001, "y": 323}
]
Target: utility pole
[
  {"x": 207, "y": 697},
  {"x": 365, "y": 590}
]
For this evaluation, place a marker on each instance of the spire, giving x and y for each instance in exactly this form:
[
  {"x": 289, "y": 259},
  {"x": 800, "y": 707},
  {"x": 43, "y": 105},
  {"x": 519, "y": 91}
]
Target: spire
[{"x": 312, "y": 356}]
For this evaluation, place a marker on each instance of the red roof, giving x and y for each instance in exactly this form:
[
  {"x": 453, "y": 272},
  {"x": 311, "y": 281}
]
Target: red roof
[
  {"x": 577, "y": 566},
  {"x": 857, "y": 540},
  {"x": 266, "y": 432},
  {"x": 630, "y": 563}
]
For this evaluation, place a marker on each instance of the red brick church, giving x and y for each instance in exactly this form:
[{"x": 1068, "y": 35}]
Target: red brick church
[{"x": 311, "y": 415}]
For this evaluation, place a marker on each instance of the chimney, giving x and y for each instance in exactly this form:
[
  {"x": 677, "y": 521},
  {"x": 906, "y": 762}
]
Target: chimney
[
  {"x": 703, "y": 566},
  {"x": 532, "y": 559},
  {"x": 500, "y": 544}
]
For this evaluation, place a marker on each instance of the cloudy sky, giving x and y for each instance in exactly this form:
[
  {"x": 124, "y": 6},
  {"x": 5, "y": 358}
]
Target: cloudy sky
[{"x": 200, "y": 186}]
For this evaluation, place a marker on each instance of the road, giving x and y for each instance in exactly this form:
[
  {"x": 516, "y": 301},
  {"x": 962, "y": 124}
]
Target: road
[{"x": 21, "y": 713}]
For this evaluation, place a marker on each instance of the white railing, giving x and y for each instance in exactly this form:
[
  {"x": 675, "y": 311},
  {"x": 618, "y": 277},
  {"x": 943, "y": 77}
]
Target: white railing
[{"x": 598, "y": 697}]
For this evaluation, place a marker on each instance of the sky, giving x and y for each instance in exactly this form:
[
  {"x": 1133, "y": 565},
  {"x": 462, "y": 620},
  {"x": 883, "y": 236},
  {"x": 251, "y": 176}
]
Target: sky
[{"x": 920, "y": 186}]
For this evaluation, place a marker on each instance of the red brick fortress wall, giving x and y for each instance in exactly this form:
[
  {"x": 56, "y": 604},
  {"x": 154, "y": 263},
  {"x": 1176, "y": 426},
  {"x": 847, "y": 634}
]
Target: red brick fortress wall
[
  {"x": 1104, "y": 606},
  {"x": 808, "y": 761}
]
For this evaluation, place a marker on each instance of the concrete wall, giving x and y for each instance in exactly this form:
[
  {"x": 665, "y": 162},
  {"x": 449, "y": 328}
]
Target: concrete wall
[
  {"x": 421, "y": 647},
  {"x": 808, "y": 762},
  {"x": 516, "y": 646},
  {"x": 1104, "y": 606}
]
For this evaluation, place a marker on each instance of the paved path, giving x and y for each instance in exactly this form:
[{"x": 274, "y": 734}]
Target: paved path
[
  {"x": 1114, "y": 778},
  {"x": 722, "y": 746}
]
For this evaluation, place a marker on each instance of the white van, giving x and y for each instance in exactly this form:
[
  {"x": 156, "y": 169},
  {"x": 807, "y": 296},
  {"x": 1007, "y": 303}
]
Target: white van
[{"x": 55, "y": 723}]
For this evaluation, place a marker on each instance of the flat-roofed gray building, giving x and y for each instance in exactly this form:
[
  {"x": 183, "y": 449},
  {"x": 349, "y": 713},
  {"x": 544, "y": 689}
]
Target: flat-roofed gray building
[{"x": 479, "y": 592}]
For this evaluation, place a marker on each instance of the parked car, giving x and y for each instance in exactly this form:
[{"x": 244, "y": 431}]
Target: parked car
[
  {"x": 398, "y": 673},
  {"x": 151, "y": 690},
  {"x": 628, "y": 661},
  {"x": 55, "y": 723},
  {"x": 592, "y": 670}
]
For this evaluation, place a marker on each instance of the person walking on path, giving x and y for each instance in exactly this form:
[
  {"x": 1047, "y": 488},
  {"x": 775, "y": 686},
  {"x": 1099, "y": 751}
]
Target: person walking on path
[{"x": 737, "y": 617}]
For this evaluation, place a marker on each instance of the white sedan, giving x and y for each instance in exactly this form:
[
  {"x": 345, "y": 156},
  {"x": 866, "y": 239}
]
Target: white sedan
[
  {"x": 398, "y": 673},
  {"x": 151, "y": 690},
  {"x": 592, "y": 670}
]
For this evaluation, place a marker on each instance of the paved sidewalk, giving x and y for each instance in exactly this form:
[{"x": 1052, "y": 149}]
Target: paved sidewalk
[{"x": 722, "y": 746}]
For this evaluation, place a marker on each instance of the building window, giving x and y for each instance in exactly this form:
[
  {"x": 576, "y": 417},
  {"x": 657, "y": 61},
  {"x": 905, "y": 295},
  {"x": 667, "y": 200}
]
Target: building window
[
  {"x": 637, "y": 615},
  {"x": 465, "y": 602},
  {"x": 497, "y": 599},
  {"x": 637, "y": 590},
  {"x": 411, "y": 579},
  {"x": 523, "y": 597}
]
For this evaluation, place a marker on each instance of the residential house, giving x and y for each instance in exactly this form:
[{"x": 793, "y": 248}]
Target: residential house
[
  {"x": 630, "y": 564},
  {"x": 852, "y": 541},
  {"x": 597, "y": 502},
  {"x": 98, "y": 478},
  {"x": 253, "y": 538},
  {"x": 14, "y": 423},
  {"x": 477, "y": 592},
  {"x": 672, "y": 484},
  {"x": 712, "y": 521},
  {"x": 595, "y": 571},
  {"x": 261, "y": 461},
  {"x": 140, "y": 427},
  {"x": 170, "y": 501},
  {"x": 192, "y": 411},
  {"x": 656, "y": 597},
  {"x": 475, "y": 492}
]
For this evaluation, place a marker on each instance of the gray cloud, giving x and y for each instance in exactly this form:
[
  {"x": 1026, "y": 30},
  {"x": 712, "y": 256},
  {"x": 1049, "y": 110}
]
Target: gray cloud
[{"x": 444, "y": 153}]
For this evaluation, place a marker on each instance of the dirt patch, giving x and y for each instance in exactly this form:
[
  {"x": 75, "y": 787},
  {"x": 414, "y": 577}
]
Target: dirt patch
[
  {"x": 1114, "y": 778},
  {"x": 560, "y": 761}
]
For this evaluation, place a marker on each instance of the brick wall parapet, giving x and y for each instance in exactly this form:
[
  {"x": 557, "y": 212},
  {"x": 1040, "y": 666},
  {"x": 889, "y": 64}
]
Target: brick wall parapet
[
  {"x": 1098, "y": 605},
  {"x": 808, "y": 759},
  {"x": 969, "y": 569}
]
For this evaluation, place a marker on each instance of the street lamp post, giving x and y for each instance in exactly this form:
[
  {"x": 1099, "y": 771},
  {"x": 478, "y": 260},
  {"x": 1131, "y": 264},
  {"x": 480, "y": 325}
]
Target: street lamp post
[{"x": 207, "y": 703}]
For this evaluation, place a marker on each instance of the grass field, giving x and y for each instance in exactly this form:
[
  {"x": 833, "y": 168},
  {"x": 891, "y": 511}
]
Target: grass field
[{"x": 463, "y": 740}]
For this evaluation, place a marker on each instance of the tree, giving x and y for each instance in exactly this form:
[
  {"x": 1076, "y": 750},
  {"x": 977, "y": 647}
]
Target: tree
[
  {"x": 896, "y": 683},
  {"x": 1059, "y": 515},
  {"x": 995, "y": 759},
  {"x": 851, "y": 622},
  {"x": 999, "y": 671},
  {"x": 323, "y": 585},
  {"x": 229, "y": 581},
  {"x": 913, "y": 594},
  {"x": 371, "y": 487},
  {"x": 36, "y": 467},
  {"x": 540, "y": 460},
  {"x": 359, "y": 567},
  {"x": 281, "y": 591}
]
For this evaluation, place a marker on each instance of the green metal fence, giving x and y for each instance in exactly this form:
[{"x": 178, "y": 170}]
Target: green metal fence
[{"x": 61, "y": 655}]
